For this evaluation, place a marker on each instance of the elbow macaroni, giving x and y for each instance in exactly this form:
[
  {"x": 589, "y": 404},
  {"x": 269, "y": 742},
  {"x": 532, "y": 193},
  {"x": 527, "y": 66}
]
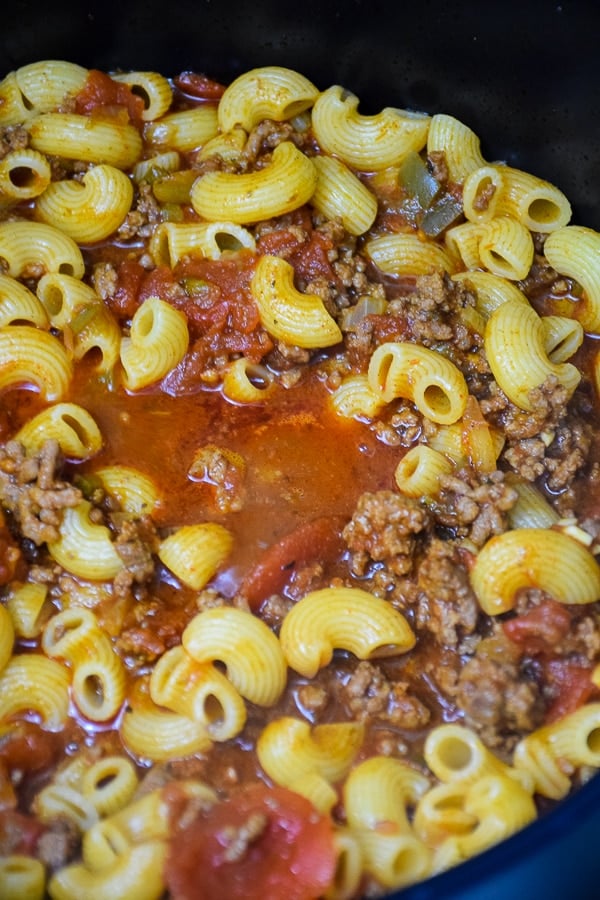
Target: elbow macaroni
[{"x": 227, "y": 217}]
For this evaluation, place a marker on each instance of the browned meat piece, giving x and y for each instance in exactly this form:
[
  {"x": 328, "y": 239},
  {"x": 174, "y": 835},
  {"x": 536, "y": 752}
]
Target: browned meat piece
[
  {"x": 447, "y": 606},
  {"x": 13, "y": 137},
  {"x": 225, "y": 472},
  {"x": 436, "y": 161},
  {"x": 474, "y": 509},
  {"x": 368, "y": 694},
  {"x": 59, "y": 844},
  {"x": 105, "y": 279},
  {"x": 498, "y": 699},
  {"x": 265, "y": 137},
  {"x": 31, "y": 490},
  {"x": 384, "y": 528},
  {"x": 146, "y": 213}
]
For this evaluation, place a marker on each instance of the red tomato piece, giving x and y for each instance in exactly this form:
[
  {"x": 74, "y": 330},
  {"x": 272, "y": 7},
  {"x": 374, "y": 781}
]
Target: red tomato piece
[
  {"x": 573, "y": 686},
  {"x": 540, "y": 628},
  {"x": 19, "y": 833},
  {"x": 199, "y": 86},
  {"x": 28, "y": 747},
  {"x": 287, "y": 854},
  {"x": 319, "y": 540},
  {"x": 100, "y": 94}
]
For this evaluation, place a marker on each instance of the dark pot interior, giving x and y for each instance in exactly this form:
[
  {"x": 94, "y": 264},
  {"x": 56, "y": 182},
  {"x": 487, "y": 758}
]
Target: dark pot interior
[{"x": 525, "y": 77}]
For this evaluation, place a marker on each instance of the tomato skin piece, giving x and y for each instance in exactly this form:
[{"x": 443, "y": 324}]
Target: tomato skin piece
[
  {"x": 321, "y": 539},
  {"x": 292, "y": 856},
  {"x": 101, "y": 95},
  {"x": 199, "y": 86},
  {"x": 574, "y": 686},
  {"x": 540, "y": 628}
]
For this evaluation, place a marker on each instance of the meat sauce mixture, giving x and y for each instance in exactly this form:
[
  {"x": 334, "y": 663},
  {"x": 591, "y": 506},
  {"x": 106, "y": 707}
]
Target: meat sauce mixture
[{"x": 313, "y": 505}]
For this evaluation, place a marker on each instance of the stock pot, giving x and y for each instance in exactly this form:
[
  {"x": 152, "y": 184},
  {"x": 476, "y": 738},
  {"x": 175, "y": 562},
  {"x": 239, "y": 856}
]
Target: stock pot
[{"x": 524, "y": 76}]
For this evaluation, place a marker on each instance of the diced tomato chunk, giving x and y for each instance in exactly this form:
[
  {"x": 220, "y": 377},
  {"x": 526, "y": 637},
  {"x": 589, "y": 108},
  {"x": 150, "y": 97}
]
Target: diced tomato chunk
[
  {"x": 101, "y": 95},
  {"x": 540, "y": 628},
  {"x": 199, "y": 86},
  {"x": 573, "y": 686},
  {"x": 260, "y": 843}
]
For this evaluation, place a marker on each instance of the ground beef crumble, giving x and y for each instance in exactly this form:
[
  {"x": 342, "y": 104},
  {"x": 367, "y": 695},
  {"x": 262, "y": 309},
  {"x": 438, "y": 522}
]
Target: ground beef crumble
[
  {"x": 32, "y": 491},
  {"x": 384, "y": 527}
]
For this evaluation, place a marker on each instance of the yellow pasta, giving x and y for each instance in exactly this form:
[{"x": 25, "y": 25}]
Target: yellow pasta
[
  {"x": 288, "y": 749},
  {"x": 440, "y": 813},
  {"x": 157, "y": 342},
  {"x": 74, "y": 429},
  {"x": 531, "y": 510},
  {"x": 289, "y": 315},
  {"x": 354, "y": 398},
  {"x": 349, "y": 865},
  {"x": 109, "y": 784},
  {"x": 31, "y": 357},
  {"x": 246, "y": 382},
  {"x": 368, "y": 143},
  {"x": 406, "y": 253},
  {"x": 270, "y": 92},
  {"x": 24, "y": 174},
  {"x": 36, "y": 247},
  {"x": 135, "y": 492},
  {"x": 199, "y": 691},
  {"x": 38, "y": 87},
  {"x": 136, "y": 875},
  {"x": 571, "y": 740},
  {"x": 534, "y": 558},
  {"x": 99, "y": 681},
  {"x": 86, "y": 138},
  {"x": 462, "y": 245},
  {"x": 194, "y": 553},
  {"x": 184, "y": 130},
  {"x": 481, "y": 191},
  {"x": 151, "y": 733},
  {"x": 345, "y": 619},
  {"x": 419, "y": 471},
  {"x": 516, "y": 352},
  {"x": 144, "y": 819},
  {"x": 490, "y": 290},
  {"x": 84, "y": 548},
  {"x": 376, "y": 795},
  {"x": 339, "y": 194},
  {"x": 283, "y": 185},
  {"x": 22, "y": 878},
  {"x": 32, "y": 682},
  {"x": 459, "y": 144},
  {"x": 26, "y": 604},
  {"x": 574, "y": 251},
  {"x": 173, "y": 240},
  {"x": 506, "y": 248},
  {"x": 152, "y": 87},
  {"x": 44, "y": 85},
  {"x": 537, "y": 204},
  {"x": 67, "y": 300},
  {"x": 63, "y": 801},
  {"x": 19, "y": 306},
  {"x": 228, "y": 145},
  {"x": 89, "y": 210},
  {"x": 562, "y": 337},
  {"x": 7, "y": 636},
  {"x": 434, "y": 384},
  {"x": 70, "y": 634},
  {"x": 502, "y": 807},
  {"x": 456, "y": 753},
  {"x": 253, "y": 657}
]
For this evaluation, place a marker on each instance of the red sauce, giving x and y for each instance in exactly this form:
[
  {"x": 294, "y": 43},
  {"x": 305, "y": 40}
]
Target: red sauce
[{"x": 102, "y": 96}]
